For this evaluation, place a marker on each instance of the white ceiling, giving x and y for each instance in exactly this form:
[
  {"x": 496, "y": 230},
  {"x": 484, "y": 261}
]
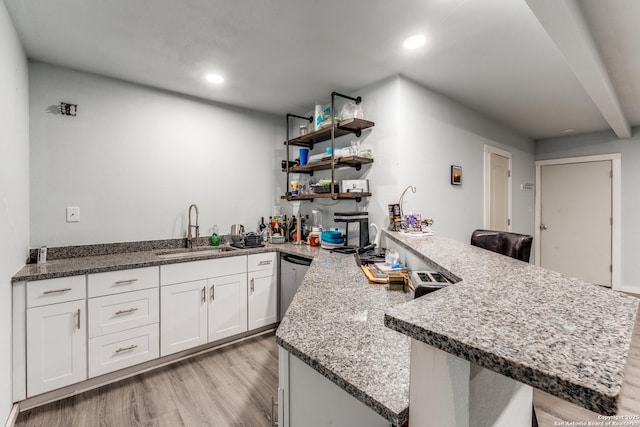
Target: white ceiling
[{"x": 282, "y": 56}]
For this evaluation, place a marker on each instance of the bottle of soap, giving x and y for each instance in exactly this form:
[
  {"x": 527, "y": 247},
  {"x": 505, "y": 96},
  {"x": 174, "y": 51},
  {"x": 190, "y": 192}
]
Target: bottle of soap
[{"x": 214, "y": 240}]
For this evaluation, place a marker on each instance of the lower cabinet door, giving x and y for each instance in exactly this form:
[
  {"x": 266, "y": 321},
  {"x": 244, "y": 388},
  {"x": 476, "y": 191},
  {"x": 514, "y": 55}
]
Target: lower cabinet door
[
  {"x": 119, "y": 350},
  {"x": 183, "y": 316},
  {"x": 227, "y": 306},
  {"x": 56, "y": 346},
  {"x": 262, "y": 291}
]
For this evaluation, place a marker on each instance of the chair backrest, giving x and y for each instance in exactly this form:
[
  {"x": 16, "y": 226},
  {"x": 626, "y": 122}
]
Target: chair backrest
[{"x": 514, "y": 245}]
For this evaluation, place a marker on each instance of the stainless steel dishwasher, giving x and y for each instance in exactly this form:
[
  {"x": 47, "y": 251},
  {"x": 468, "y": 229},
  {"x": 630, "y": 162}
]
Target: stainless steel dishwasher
[{"x": 292, "y": 271}]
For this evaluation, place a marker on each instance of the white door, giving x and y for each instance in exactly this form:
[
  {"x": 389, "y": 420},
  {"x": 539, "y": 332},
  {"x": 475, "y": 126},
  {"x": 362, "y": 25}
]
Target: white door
[
  {"x": 575, "y": 220},
  {"x": 227, "y": 306},
  {"x": 56, "y": 346},
  {"x": 262, "y": 294},
  {"x": 183, "y": 316},
  {"x": 499, "y": 173}
]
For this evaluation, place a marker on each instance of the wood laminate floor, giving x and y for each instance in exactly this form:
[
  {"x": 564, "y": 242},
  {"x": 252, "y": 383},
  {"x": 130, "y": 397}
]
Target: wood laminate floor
[{"x": 233, "y": 387}]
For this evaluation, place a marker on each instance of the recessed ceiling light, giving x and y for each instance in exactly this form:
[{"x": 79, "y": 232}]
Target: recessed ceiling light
[
  {"x": 414, "y": 42},
  {"x": 568, "y": 130},
  {"x": 215, "y": 78}
]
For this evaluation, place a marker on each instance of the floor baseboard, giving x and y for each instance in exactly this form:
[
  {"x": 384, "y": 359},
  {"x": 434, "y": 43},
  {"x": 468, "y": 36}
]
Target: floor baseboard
[{"x": 13, "y": 415}]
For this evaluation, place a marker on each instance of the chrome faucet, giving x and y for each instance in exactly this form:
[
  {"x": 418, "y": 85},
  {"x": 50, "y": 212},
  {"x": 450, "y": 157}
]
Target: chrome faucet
[{"x": 190, "y": 237}]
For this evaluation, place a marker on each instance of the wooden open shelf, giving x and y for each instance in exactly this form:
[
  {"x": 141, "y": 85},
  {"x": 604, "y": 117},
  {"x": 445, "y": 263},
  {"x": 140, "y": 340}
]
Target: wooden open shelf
[
  {"x": 343, "y": 128},
  {"x": 343, "y": 162},
  {"x": 341, "y": 196}
]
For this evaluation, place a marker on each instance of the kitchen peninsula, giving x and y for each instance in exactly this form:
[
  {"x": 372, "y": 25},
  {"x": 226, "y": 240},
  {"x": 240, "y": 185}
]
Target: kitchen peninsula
[
  {"x": 504, "y": 315},
  {"x": 530, "y": 325}
]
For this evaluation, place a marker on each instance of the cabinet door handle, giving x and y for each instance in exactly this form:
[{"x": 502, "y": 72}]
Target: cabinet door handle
[
  {"x": 204, "y": 294},
  {"x": 274, "y": 404},
  {"x": 131, "y": 347},
  {"x": 126, "y": 282},
  {"x": 78, "y": 319},
  {"x": 57, "y": 291},
  {"x": 252, "y": 285},
  {"x": 265, "y": 262},
  {"x": 131, "y": 310},
  {"x": 213, "y": 292}
]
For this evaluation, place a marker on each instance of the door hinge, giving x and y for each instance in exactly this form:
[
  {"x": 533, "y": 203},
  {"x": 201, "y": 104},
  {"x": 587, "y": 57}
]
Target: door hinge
[
  {"x": 610, "y": 174},
  {"x": 509, "y": 173},
  {"x": 610, "y": 268},
  {"x": 509, "y": 221}
]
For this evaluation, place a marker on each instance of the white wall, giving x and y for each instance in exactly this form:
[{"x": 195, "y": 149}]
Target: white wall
[
  {"x": 14, "y": 186},
  {"x": 629, "y": 149},
  {"x": 418, "y": 135},
  {"x": 135, "y": 158}
]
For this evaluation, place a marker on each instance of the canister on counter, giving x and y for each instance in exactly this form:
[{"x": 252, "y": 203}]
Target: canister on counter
[{"x": 394, "y": 217}]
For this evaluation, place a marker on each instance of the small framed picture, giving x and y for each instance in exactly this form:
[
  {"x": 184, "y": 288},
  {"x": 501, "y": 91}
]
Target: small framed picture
[{"x": 456, "y": 175}]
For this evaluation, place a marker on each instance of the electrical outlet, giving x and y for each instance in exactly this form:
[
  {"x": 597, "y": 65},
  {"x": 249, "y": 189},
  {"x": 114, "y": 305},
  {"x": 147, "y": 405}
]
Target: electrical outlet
[{"x": 73, "y": 214}]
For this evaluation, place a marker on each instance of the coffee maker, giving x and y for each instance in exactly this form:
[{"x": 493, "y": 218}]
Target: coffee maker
[{"x": 361, "y": 218}]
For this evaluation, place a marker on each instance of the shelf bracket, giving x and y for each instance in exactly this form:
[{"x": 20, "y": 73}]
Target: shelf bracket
[
  {"x": 309, "y": 119},
  {"x": 357, "y": 100}
]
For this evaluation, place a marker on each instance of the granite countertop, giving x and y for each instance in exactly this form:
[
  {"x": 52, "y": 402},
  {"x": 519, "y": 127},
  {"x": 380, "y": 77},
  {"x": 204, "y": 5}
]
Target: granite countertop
[
  {"x": 553, "y": 332},
  {"x": 335, "y": 324},
  {"x": 79, "y": 265}
]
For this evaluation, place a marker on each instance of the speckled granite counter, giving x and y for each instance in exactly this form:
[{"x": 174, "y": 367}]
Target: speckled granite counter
[
  {"x": 555, "y": 333},
  {"x": 120, "y": 261},
  {"x": 335, "y": 325}
]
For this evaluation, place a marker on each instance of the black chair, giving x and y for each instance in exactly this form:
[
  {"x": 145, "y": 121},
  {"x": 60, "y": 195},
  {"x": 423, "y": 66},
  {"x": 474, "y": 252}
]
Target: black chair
[{"x": 513, "y": 245}]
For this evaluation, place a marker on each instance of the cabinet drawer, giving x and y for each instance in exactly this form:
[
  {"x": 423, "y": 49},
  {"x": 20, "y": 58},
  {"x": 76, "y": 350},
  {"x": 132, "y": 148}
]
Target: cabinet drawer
[
  {"x": 198, "y": 270},
  {"x": 257, "y": 262},
  {"x": 113, "y": 282},
  {"x": 122, "y": 349},
  {"x": 113, "y": 313},
  {"x": 53, "y": 291}
]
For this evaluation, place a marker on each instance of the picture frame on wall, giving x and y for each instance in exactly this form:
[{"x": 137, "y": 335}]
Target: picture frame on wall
[{"x": 456, "y": 175}]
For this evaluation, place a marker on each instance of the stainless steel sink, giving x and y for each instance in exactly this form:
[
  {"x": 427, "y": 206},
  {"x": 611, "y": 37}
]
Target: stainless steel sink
[{"x": 190, "y": 252}]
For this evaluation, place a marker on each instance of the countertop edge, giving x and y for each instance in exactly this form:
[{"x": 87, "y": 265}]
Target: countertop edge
[{"x": 591, "y": 399}]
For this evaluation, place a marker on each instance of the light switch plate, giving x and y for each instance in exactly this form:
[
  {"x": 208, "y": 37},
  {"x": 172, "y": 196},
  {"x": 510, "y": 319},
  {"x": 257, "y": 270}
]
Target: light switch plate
[{"x": 73, "y": 214}]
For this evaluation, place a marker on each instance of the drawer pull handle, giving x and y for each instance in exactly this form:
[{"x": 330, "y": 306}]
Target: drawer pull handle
[
  {"x": 78, "y": 319},
  {"x": 253, "y": 285},
  {"x": 131, "y": 347},
  {"x": 213, "y": 292},
  {"x": 265, "y": 262},
  {"x": 57, "y": 291},
  {"x": 131, "y": 310},
  {"x": 126, "y": 282},
  {"x": 274, "y": 405},
  {"x": 204, "y": 294}
]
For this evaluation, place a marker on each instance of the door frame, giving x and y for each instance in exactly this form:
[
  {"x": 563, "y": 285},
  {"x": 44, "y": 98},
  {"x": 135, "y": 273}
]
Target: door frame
[
  {"x": 488, "y": 150},
  {"x": 616, "y": 196}
]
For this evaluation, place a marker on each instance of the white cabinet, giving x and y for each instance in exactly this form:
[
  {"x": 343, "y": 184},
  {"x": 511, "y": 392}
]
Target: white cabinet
[
  {"x": 262, "y": 292},
  {"x": 227, "y": 306},
  {"x": 108, "y": 353},
  {"x": 115, "y": 313},
  {"x": 123, "y": 309},
  {"x": 56, "y": 345},
  {"x": 201, "y": 302},
  {"x": 183, "y": 321}
]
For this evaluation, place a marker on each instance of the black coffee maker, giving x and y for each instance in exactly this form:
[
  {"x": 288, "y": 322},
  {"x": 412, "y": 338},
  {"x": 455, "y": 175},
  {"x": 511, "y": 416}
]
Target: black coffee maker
[{"x": 362, "y": 218}]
